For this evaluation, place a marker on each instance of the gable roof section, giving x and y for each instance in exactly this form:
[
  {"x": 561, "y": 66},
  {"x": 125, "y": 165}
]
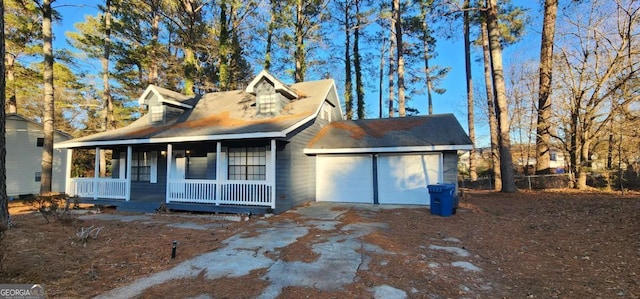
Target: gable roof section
[
  {"x": 218, "y": 116},
  {"x": 403, "y": 134},
  {"x": 18, "y": 117},
  {"x": 277, "y": 84},
  {"x": 165, "y": 96}
]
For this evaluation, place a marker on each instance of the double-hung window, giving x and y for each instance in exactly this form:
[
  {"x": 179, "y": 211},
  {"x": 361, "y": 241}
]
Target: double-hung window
[
  {"x": 248, "y": 163},
  {"x": 141, "y": 167}
]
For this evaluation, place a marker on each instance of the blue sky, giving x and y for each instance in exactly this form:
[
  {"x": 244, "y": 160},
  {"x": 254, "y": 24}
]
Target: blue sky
[{"x": 450, "y": 54}]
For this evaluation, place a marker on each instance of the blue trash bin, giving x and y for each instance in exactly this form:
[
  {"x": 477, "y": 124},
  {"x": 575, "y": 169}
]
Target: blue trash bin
[{"x": 443, "y": 200}]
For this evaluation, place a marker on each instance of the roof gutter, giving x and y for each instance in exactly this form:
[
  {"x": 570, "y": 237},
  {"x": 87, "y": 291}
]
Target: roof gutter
[{"x": 399, "y": 149}]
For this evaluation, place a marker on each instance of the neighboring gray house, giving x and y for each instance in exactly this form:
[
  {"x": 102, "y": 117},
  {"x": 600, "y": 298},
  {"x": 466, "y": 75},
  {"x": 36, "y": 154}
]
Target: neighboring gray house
[
  {"x": 252, "y": 150},
  {"x": 24, "y": 140}
]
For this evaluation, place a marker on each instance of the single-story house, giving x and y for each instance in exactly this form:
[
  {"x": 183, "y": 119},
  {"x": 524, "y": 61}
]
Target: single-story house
[
  {"x": 269, "y": 147},
  {"x": 24, "y": 141}
]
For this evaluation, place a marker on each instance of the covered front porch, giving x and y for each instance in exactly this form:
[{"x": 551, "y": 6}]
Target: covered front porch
[{"x": 209, "y": 176}]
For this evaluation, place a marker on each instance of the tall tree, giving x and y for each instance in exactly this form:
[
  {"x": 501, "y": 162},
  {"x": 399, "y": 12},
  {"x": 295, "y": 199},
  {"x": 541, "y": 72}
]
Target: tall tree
[
  {"x": 598, "y": 56},
  {"x": 21, "y": 35},
  {"x": 397, "y": 16},
  {"x": 309, "y": 15},
  {"x": 357, "y": 64},
  {"x": 348, "y": 82},
  {"x": 49, "y": 110},
  {"x": 493, "y": 121},
  {"x": 426, "y": 41},
  {"x": 504, "y": 140},
  {"x": 392, "y": 64},
  {"x": 470, "y": 104},
  {"x": 109, "y": 120},
  {"x": 543, "y": 135},
  {"x": 4, "y": 203}
]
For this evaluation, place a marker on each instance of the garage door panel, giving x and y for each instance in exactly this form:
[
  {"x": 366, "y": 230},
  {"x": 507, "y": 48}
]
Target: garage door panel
[
  {"x": 403, "y": 179},
  {"x": 344, "y": 178}
]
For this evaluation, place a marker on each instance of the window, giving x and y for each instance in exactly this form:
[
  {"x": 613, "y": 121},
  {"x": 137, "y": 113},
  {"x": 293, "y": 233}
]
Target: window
[
  {"x": 553, "y": 156},
  {"x": 141, "y": 167},
  {"x": 38, "y": 176},
  {"x": 267, "y": 103},
  {"x": 40, "y": 142},
  {"x": 157, "y": 114},
  {"x": 326, "y": 112},
  {"x": 248, "y": 163}
]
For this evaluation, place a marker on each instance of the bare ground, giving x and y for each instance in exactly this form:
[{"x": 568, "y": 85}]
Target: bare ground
[{"x": 560, "y": 244}]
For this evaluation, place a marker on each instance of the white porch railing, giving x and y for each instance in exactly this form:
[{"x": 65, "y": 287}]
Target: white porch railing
[
  {"x": 250, "y": 193},
  {"x": 192, "y": 191},
  {"x": 98, "y": 188}
]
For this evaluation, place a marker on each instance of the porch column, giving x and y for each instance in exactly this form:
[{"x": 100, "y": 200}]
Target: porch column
[
  {"x": 216, "y": 200},
  {"x": 67, "y": 182},
  {"x": 96, "y": 173},
  {"x": 128, "y": 173},
  {"x": 169, "y": 160},
  {"x": 271, "y": 169}
]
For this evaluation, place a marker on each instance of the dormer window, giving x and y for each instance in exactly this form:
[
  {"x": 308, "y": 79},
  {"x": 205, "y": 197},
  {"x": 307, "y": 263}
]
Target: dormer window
[
  {"x": 267, "y": 103},
  {"x": 157, "y": 113},
  {"x": 271, "y": 94}
]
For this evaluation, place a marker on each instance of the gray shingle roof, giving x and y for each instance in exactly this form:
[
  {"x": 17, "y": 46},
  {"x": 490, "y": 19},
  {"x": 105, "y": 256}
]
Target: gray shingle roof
[
  {"x": 216, "y": 115},
  {"x": 435, "y": 132}
]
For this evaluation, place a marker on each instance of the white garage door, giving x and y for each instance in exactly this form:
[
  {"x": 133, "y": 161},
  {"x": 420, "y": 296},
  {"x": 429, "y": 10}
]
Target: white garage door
[
  {"x": 346, "y": 178},
  {"x": 403, "y": 179}
]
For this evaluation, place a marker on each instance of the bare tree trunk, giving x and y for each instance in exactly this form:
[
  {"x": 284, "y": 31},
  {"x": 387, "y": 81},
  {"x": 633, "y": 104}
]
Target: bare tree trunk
[
  {"x": 4, "y": 203},
  {"x": 357, "y": 63},
  {"x": 493, "y": 122},
  {"x": 270, "y": 29},
  {"x": 109, "y": 119},
  {"x": 48, "y": 117},
  {"x": 299, "y": 54},
  {"x": 470, "y": 117},
  {"x": 10, "y": 83},
  {"x": 155, "y": 42},
  {"x": 348, "y": 85},
  {"x": 425, "y": 54},
  {"x": 381, "y": 77},
  {"x": 543, "y": 136},
  {"x": 506, "y": 160},
  {"x": 399, "y": 49},
  {"x": 392, "y": 66}
]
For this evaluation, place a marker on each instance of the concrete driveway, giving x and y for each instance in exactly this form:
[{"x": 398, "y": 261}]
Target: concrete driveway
[{"x": 339, "y": 258}]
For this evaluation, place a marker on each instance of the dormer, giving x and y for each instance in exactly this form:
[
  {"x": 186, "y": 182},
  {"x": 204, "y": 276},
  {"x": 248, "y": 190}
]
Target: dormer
[
  {"x": 163, "y": 104},
  {"x": 271, "y": 94}
]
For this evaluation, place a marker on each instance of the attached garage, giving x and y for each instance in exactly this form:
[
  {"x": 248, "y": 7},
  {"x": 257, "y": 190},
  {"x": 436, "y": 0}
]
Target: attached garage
[
  {"x": 397, "y": 178},
  {"x": 344, "y": 178},
  {"x": 387, "y": 161},
  {"x": 403, "y": 179}
]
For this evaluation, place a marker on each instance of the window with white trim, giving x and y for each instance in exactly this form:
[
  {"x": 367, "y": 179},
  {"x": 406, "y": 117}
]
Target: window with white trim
[
  {"x": 157, "y": 114},
  {"x": 248, "y": 163},
  {"x": 141, "y": 167},
  {"x": 325, "y": 113},
  {"x": 267, "y": 103}
]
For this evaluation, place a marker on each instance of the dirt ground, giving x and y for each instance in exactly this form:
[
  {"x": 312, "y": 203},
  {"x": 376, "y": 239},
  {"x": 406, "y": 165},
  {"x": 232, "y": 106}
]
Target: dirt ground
[{"x": 560, "y": 244}]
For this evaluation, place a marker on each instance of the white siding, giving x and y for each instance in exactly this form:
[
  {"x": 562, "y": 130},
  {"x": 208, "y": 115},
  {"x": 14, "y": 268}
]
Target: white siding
[{"x": 24, "y": 158}]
